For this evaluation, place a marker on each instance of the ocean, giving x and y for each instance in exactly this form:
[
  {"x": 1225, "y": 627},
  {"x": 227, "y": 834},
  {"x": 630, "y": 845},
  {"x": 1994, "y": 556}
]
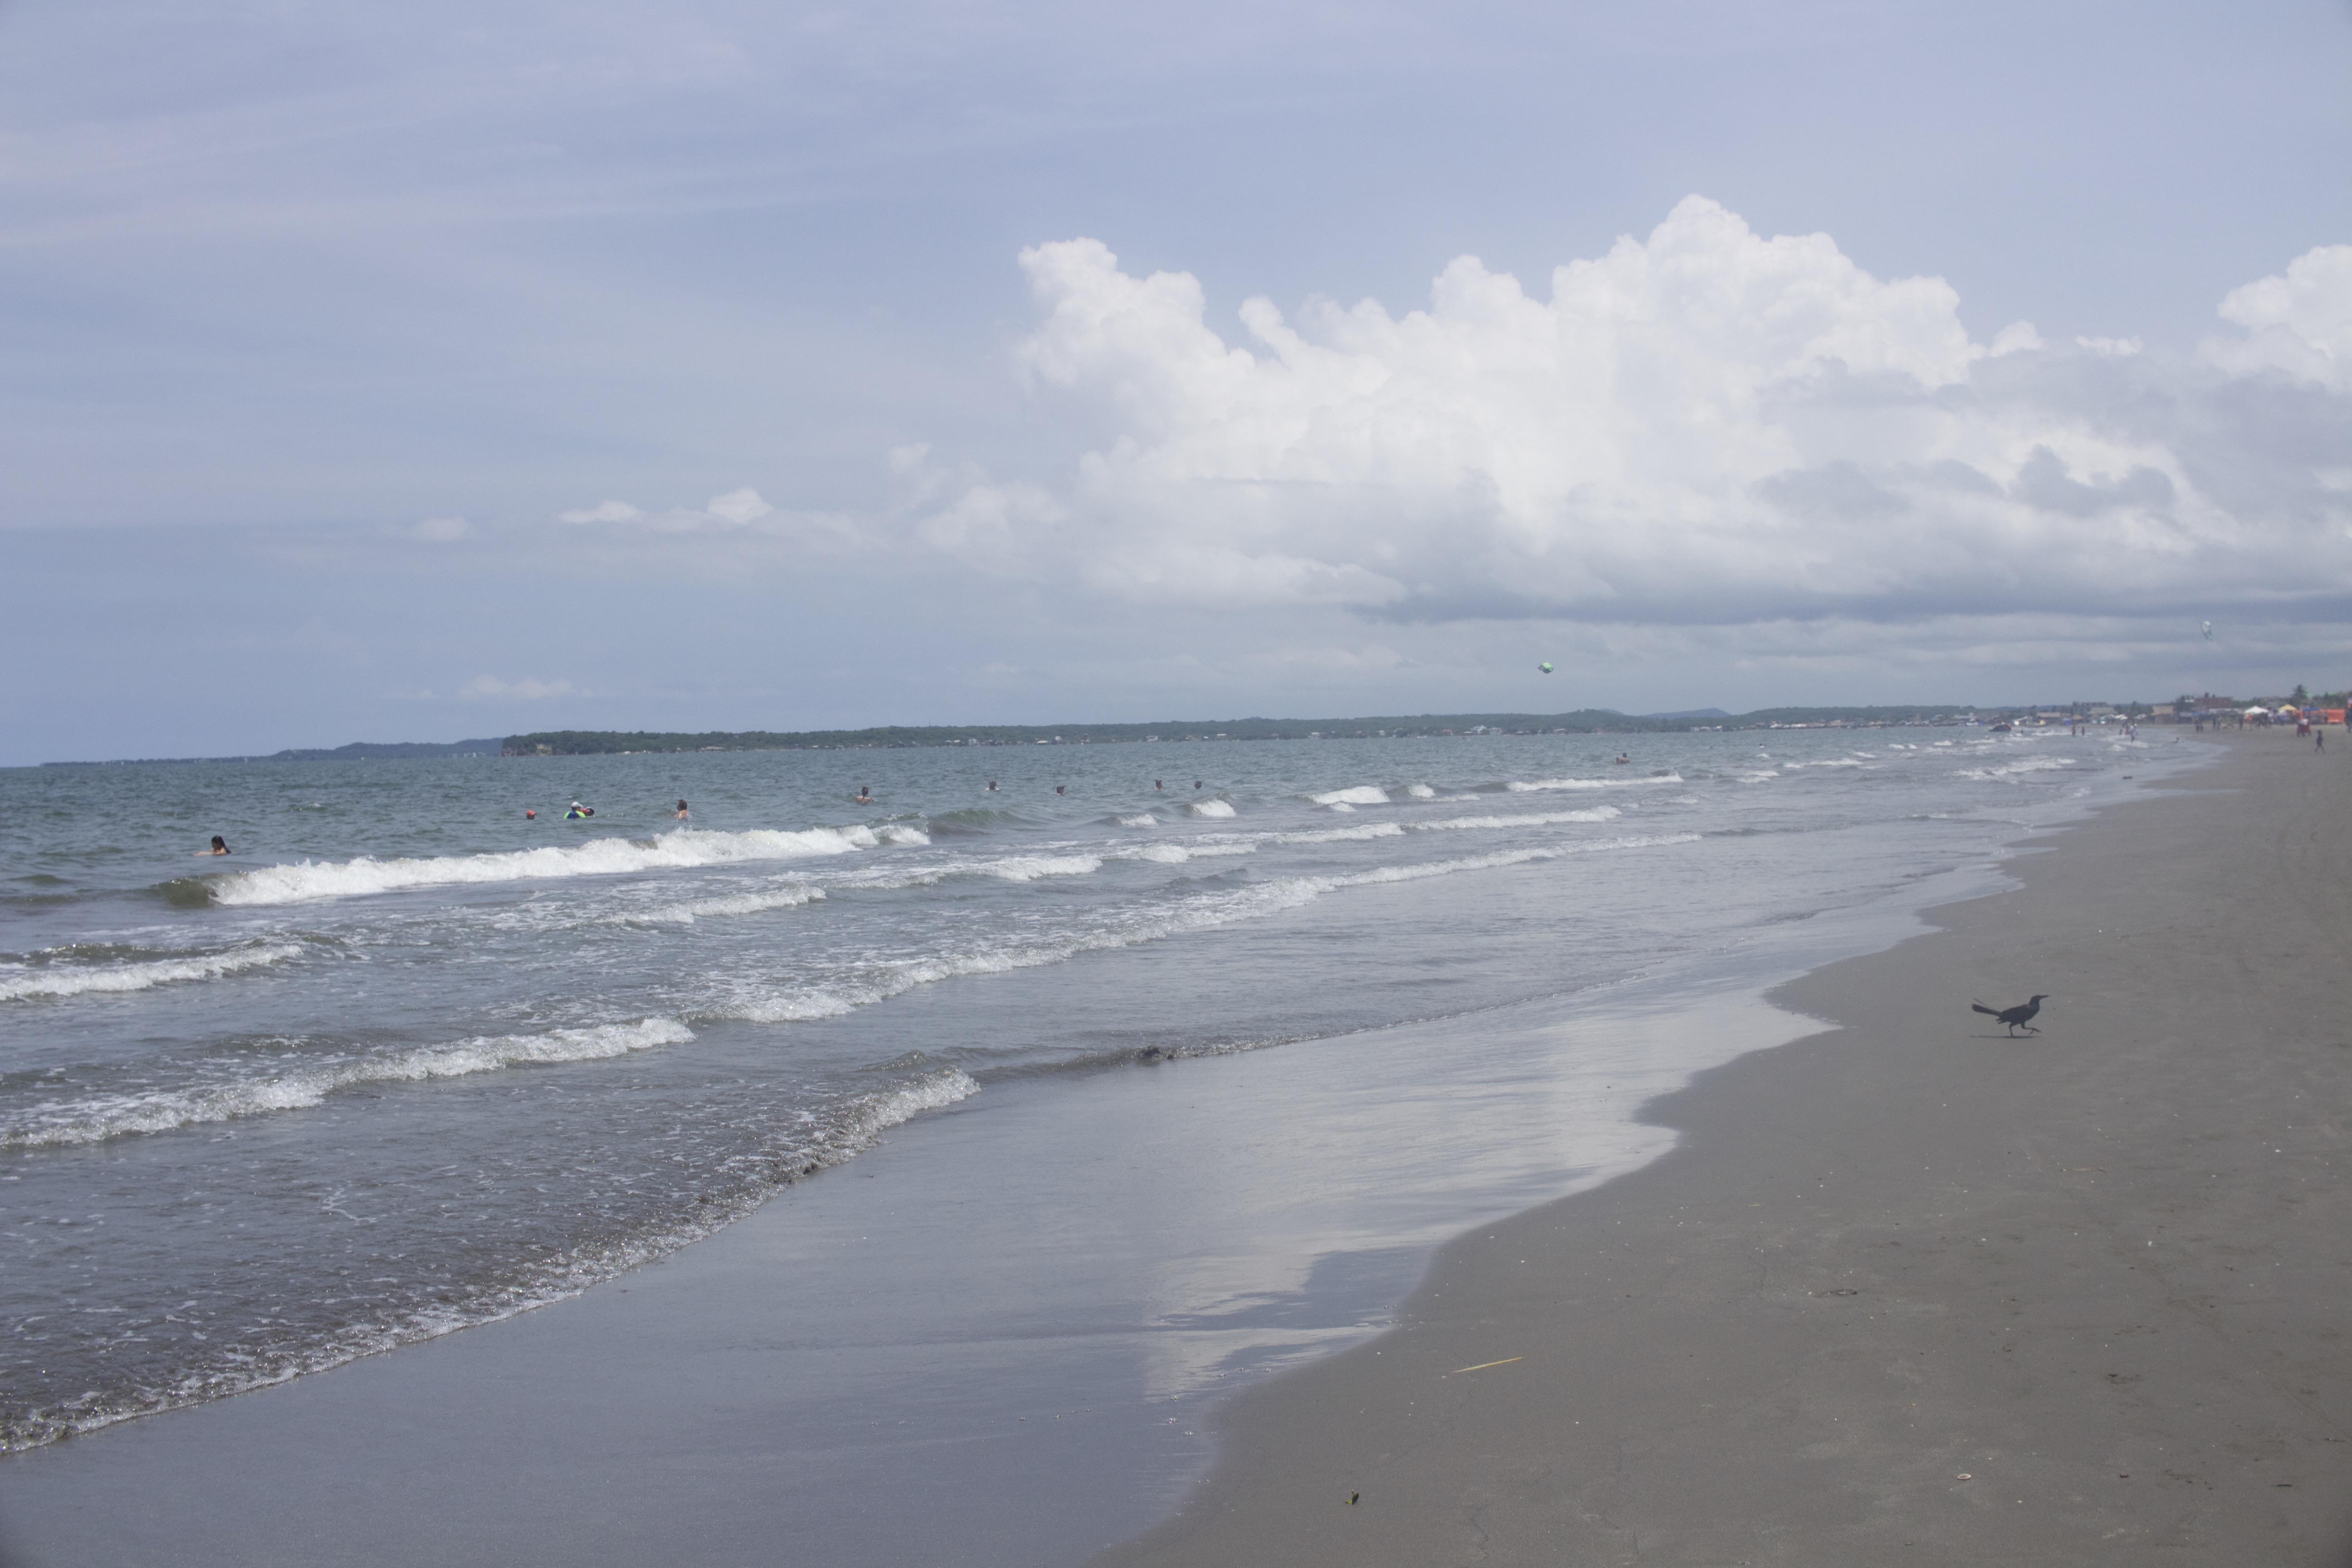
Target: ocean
[{"x": 408, "y": 1060}]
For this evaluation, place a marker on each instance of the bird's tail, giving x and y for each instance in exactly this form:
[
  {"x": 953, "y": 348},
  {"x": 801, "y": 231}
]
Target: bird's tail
[{"x": 1981, "y": 1007}]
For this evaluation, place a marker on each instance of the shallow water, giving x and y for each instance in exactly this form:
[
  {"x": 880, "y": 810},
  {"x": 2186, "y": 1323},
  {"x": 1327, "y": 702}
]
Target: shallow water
[{"x": 407, "y": 1061}]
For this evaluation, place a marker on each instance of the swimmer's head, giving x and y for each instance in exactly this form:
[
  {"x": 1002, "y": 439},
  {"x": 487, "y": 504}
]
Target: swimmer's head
[{"x": 220, "y": 845}]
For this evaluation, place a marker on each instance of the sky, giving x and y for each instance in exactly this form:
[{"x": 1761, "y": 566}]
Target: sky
[{"x": 438, "y": 371}]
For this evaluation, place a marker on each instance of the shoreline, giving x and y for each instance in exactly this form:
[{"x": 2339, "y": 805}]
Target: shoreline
[
  {"x": 1908, "y": 1290},
  {"x": 672, "y": 1408}
]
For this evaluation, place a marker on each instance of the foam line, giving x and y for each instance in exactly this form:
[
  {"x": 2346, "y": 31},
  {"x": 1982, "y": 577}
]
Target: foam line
[
  {"x": 314, "y": 879},
  {"x": 97, "y": 1119},
  {"x": 61, "y": 979}
]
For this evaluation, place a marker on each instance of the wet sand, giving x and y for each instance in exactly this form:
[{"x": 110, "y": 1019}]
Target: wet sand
[{"x": 1912, "y": 1291}]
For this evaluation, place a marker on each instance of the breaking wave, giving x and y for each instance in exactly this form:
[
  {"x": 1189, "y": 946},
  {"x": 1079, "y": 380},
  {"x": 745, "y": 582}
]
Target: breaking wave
[
  {"x": 1523, "y": 786},
  {"x": 879, "y": 982},
  {"x": 2011, "y": 770},
  {"x": 309, "y": 881},
  {"x": 687, "y": 911},
  {"x": 1534, "y": 819},
  {"x": 96, "y": 1119},
  {"x": 78, "y": 980}
]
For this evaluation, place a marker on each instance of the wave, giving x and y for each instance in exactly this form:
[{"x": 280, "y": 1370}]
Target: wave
[
  {"x": 1146, "y": 820},
  {"x": 1522, "y": 786},
  {"x": 1338, "y": 834},
  {"x": 1534, "y": 819},
  {"x": 835, "y": 1133},
  {"x": 1029, "y": 868},
  {"x": 2010, "y": 770},
  {"x": 62, "y": 980},
  {"x": 97, "y": 1119},
  {"x": 1361, "y": 794},
  {"x": 692, "y": 909},
  {"x": 1210, "y": 808},
  {"x": 838, "y": 997},
  {"x": 970, "y": 819},
  {"x": 309, "y": 881},
  {"x": 1420, "y": 792}
]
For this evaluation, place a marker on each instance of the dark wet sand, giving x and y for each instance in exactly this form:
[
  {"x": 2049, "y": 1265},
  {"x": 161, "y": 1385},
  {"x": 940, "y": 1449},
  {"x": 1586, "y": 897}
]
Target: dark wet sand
[{"x": 1909, "y": 1292}]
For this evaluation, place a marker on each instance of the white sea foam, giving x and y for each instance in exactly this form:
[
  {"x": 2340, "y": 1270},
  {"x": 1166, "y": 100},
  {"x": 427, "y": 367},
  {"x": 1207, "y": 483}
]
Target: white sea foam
[
  {"x": 1534, "y": 819},
  {"x": 688, "y": 848},
  {"x": 1420, "y": 792},
  {"x": 2011, "y": 770},
  {"x": 1210, "y": 808},
  {"x": 1523, "y": 786},
  {"x": 691, "y": 910},
  {"x": 96, "y": 1119},
  {"x": 79, "y": 980},
  {"x": 1370, "y": 830},
  {"x": 866, "y": 1118},
  {"x": 880, "y": 982},
  {"x": 1146, "y": 820},
  {"x": 1361, "y": 794},
  {"x": 1029, "y": 868},
  {"x": 830, "y": 1135}
]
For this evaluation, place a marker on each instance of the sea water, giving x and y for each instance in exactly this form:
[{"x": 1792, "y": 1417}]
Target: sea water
[{"x": 409, "y": 1060}]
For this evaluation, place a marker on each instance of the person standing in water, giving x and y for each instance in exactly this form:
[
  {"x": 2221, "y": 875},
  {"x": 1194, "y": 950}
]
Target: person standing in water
[
  {"x": 220, "y": 846},
  {"x": 865, "y": 795},
  {"x": 681, "y": 811}
]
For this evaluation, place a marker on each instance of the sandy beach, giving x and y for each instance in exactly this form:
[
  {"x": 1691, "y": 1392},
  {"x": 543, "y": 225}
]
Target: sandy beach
[{"x": 1911, "y": 1291}]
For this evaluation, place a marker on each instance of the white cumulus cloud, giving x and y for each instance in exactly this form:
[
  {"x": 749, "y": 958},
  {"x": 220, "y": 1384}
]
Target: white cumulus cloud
[
  {"x": 739, "y": 512},
  {"x": 2300, "y": 324},
  {"x": 1704, "y": 426}
]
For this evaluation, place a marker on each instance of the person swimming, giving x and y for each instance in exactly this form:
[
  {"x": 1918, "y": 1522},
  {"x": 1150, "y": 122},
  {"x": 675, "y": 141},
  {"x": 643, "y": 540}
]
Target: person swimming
[
  {"x": 1621, "y": 758},
  {"x": 992, "y": 786},
  {"x": 578, "y": 812},
  {"x": 681, "y": 811},
  {"x": 220, "y": 846},
  {"x": 529, "y": 814},
  {"x": 865, "y": 795},
  {"x": 1061, "y": 789},
  {"x": 1157, "y": 784}
]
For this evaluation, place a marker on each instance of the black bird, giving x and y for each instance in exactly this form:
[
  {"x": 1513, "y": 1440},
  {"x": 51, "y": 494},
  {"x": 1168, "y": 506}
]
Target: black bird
[{"x": 2018, "y": 1017}]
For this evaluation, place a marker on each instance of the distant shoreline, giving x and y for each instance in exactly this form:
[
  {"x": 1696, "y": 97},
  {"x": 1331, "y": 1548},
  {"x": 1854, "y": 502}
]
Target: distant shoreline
[{"x": 1581, "y": 722}]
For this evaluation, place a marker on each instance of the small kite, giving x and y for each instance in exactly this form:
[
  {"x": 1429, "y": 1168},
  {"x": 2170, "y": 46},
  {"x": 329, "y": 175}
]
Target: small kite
[
  {"x": 2209, "y": 631},
  {"x": 1544, "y": 668}
]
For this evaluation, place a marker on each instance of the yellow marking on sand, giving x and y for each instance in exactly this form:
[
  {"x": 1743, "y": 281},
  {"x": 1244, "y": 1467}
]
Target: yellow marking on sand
[{"x": 1485, "y": 1364}]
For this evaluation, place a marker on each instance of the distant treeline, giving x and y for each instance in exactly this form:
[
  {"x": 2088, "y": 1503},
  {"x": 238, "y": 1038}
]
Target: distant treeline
[
  {"x": 1583, "y": 721},
  {"x": 357, "y": 749}
]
